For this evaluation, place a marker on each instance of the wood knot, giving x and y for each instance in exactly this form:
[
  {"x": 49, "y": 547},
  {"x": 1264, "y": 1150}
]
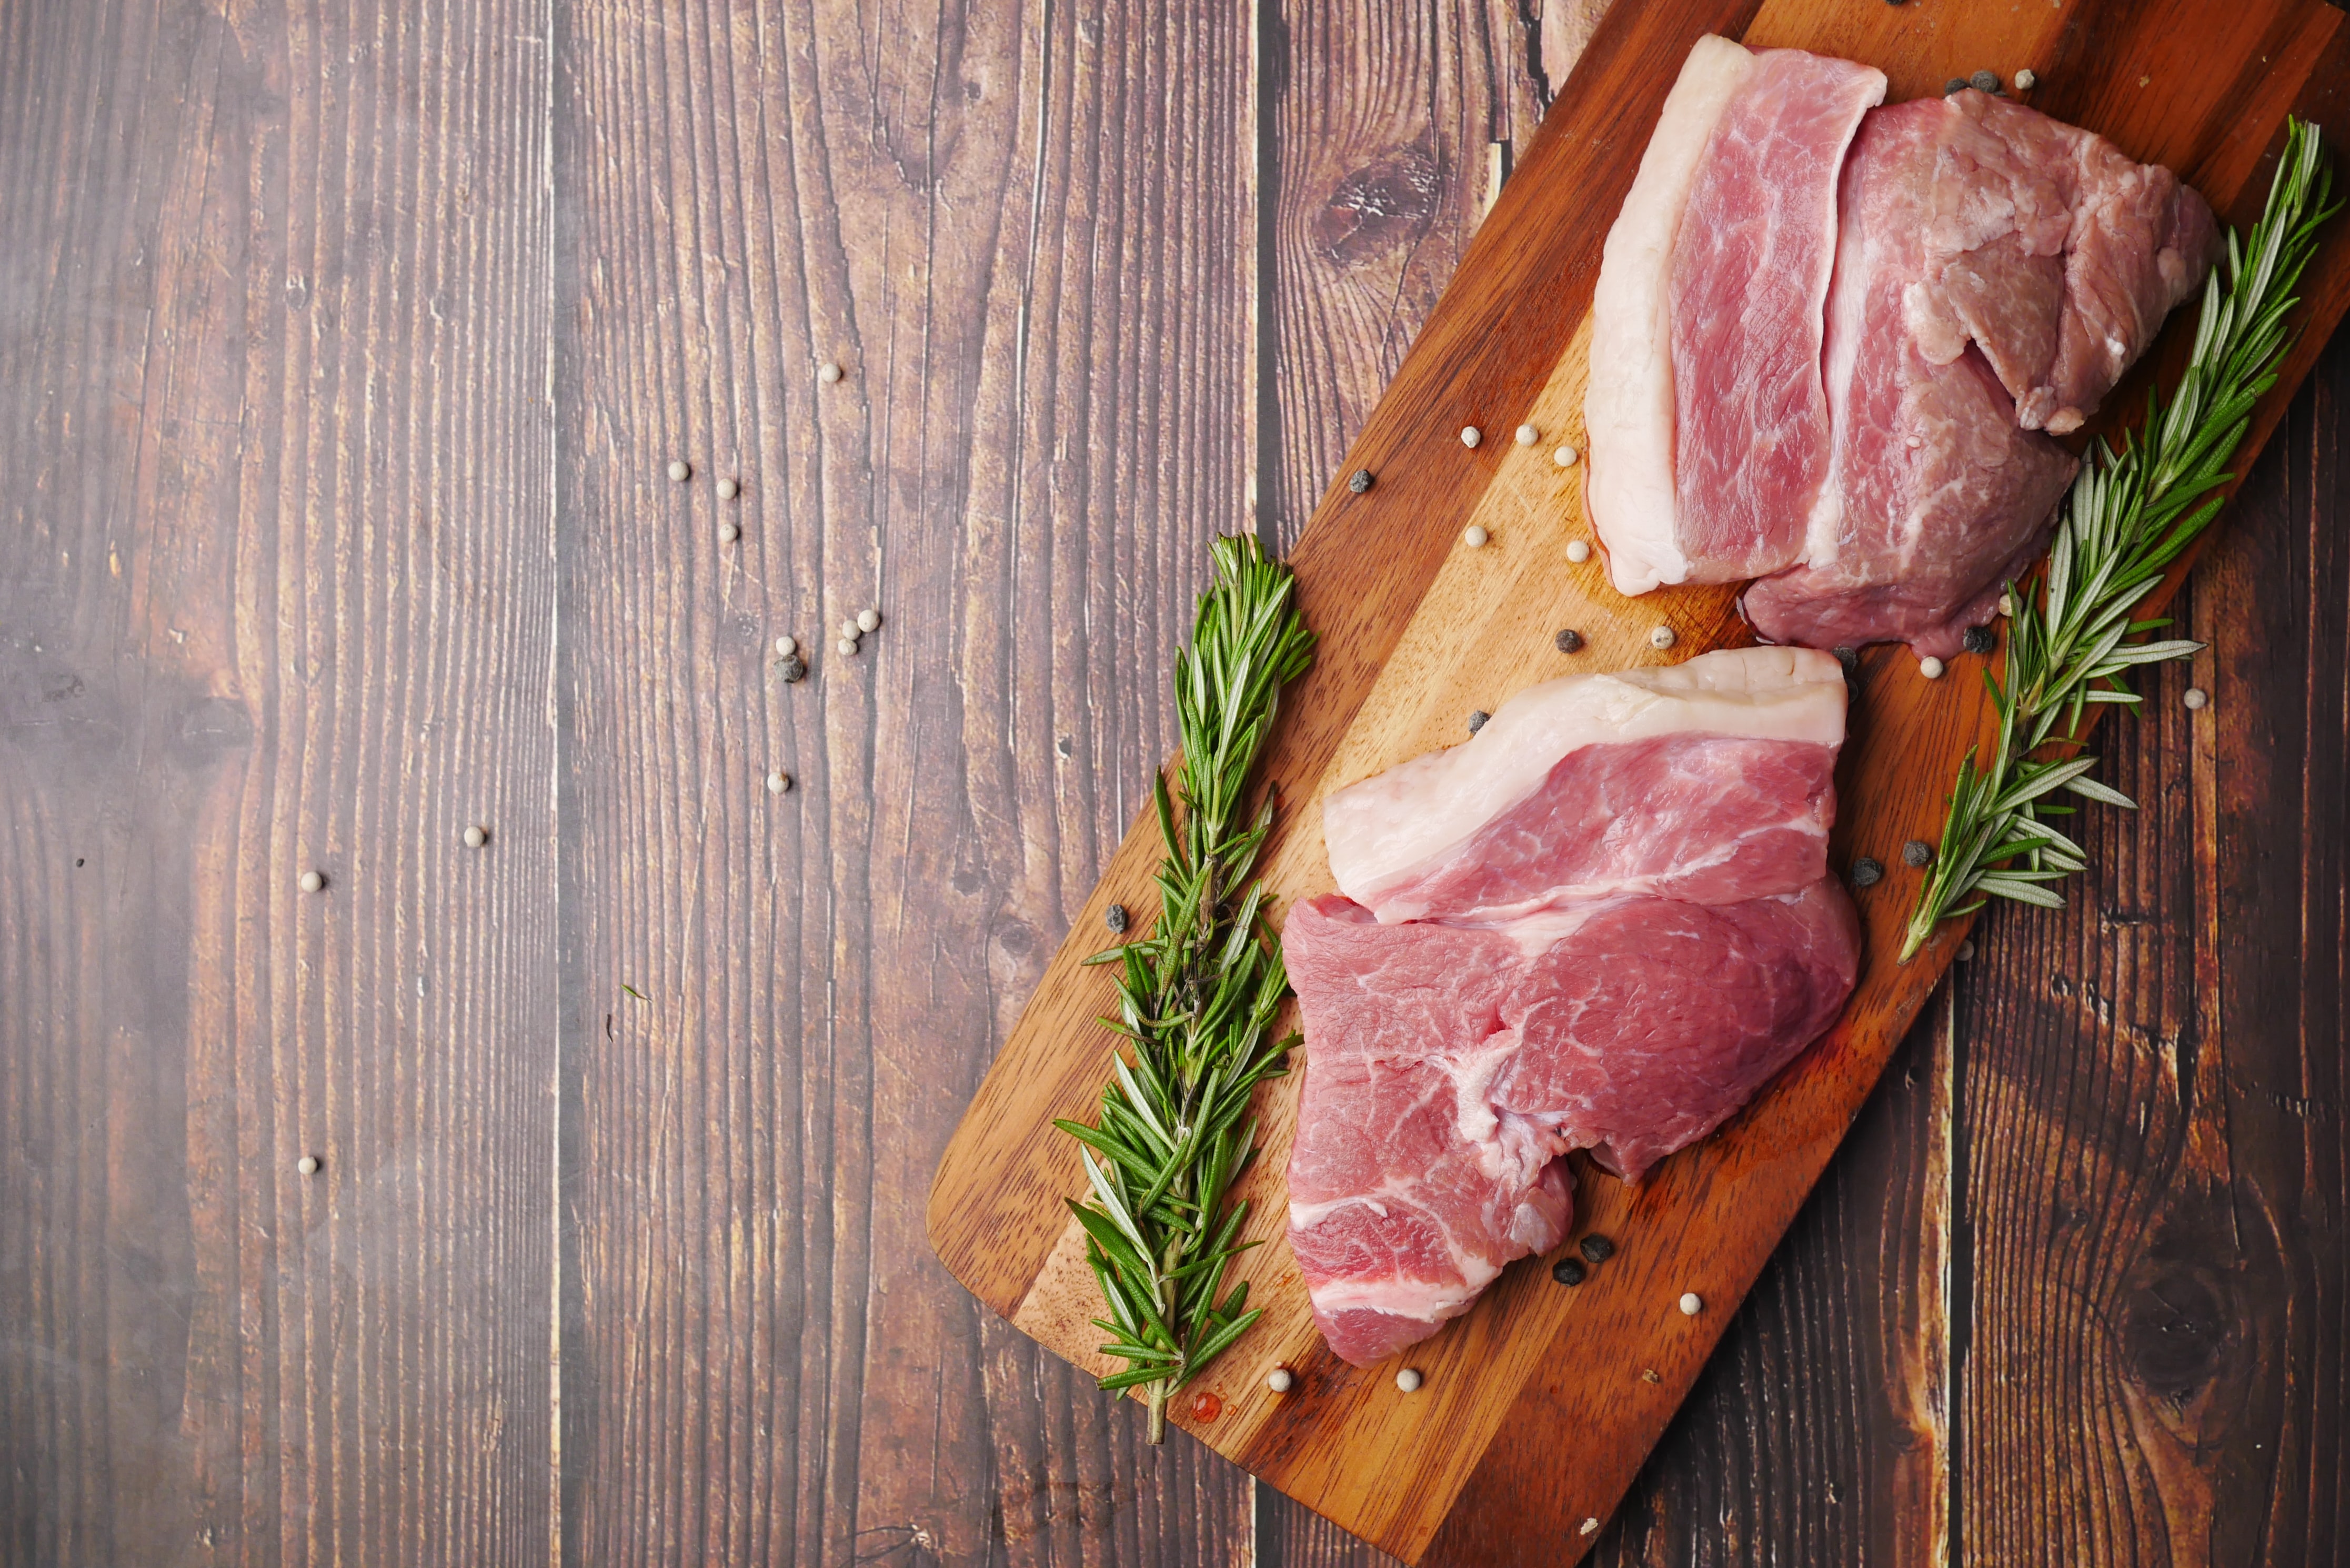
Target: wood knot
[
  {"x": 1384, "y": 206},
  {"x": 2178, "y": 1319}
]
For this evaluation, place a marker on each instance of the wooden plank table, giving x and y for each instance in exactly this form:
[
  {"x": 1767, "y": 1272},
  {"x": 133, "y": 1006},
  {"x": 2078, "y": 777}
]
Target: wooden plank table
[{"x": 342, "y": 350}]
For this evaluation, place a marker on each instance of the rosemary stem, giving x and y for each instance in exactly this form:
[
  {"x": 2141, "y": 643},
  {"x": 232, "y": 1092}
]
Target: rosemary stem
[{"x": 1162, "y": 1156}]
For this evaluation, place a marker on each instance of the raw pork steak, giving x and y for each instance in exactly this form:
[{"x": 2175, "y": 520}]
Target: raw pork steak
[
  {"x": 1603, "y": 922},
  {"x": 1996, "y": 272},
  {"x": 1707, "y": 781},
  {"x": 1452, "y": 1065},
  {"x": 1706, "y": 419}
]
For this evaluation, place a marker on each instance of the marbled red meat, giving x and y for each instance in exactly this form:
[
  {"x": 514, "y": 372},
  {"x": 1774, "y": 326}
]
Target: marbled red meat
[
  {"x": 1996, "y": 272},
  {"x": 1602, "y": 922},
  {"x": 2043, "y": 245},
  {"x": 1823, "y": 358},
  {"x": 1750, "y": 285},
  {"x": 1450, "y": 1066},
  {"x": 1706, "y": 780},
  {"x": 1705, "y": 416},
  {"x": 1639, "y": 816}
]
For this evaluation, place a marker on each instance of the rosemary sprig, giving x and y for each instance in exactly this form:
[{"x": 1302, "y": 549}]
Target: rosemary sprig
[
  {"x": 1198, "y": 994},
  {"x": 2128, "y": 516}
]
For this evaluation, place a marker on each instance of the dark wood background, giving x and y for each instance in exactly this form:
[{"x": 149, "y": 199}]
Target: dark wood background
[{"x": 342, "y": 347}]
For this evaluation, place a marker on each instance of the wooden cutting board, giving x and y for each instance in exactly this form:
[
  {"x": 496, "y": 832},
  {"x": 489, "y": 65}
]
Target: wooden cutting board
[{"x": 1539, "y": 1407}]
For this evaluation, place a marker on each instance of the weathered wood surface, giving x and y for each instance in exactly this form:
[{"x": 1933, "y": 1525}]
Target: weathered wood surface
[
  {"x": 277, "y": 593},
  {"x": 352, "y": 337},
  {"x": 1043, "y": 416}
]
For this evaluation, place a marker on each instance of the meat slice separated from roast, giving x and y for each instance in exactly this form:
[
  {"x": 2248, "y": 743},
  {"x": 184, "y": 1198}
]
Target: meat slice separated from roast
[
  {"x": 1707, "y": 781},
  {"x": 1706, "y": 416},
  {"x": 1995, "y": 269},
  {"x": 1603, "y": 922}
]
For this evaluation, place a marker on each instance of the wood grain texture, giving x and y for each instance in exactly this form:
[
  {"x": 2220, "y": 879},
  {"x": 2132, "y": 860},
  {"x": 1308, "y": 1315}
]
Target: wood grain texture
[
  {"x": 1044, "y": 416},
  {"x": 1384, "y": 116},
  {"x": 2156, "y": 1146},
  {"x": 1463, "y": 647},
  {"x": 275, "y": 595},
  {"x": 279, "y": 585}
]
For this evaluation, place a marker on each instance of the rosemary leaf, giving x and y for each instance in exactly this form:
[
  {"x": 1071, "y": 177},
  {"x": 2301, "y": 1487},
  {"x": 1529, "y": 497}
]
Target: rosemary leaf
[{"x": 1198, "y": 993}]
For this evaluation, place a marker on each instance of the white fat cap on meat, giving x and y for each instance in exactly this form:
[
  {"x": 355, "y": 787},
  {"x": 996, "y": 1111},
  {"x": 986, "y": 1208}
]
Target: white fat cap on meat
[
  {"x": 1627, "y": 404},
  {"x": 1388, "y": 826}
]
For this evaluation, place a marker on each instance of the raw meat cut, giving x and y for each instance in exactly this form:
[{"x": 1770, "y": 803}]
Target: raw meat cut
[
  {"x": 1706, "y": 418},
  {"x": 1696, "y": 780},
  {"x": 1824, "y": 334},
  {"x": 1452, "y": 1065},
  {"x": 1750, "y": 287},
  {"x": 2054, "y": 253},
  {"x": 1603, "y": 922},
  {"x": 1627, "y": 404},
  {"x": 1985, "y": 253}
]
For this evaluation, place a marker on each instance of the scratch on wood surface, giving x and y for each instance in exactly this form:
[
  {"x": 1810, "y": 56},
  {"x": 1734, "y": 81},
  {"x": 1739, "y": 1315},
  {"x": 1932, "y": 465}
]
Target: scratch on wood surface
[
  {"x": 2207, "y": 1133},
  {"x": 1922, "y": 1489}
]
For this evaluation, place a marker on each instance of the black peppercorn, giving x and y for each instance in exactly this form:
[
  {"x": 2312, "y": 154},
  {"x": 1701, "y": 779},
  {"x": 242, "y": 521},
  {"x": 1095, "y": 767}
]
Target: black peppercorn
[
  {"x": 1360, "y": 481},
  {"x": 1977, "y": 640},
  {"x": 1597, "y": 1248},
  {"x": 1866, "y": 873},
  {"x": 1477, "y": 720},
  {"x": 1918, "y": 852},
  {"x": 1567, "y": 1271},
  {"x": 1567, "y": 641},
  {"x": 1956, "y": 83},
  {"x": 1115, "y": 916},
  {"x": 1984, "y": 81},
  {"x": 1850, "y": 659},
  {"x": 793, "y": 668}
]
